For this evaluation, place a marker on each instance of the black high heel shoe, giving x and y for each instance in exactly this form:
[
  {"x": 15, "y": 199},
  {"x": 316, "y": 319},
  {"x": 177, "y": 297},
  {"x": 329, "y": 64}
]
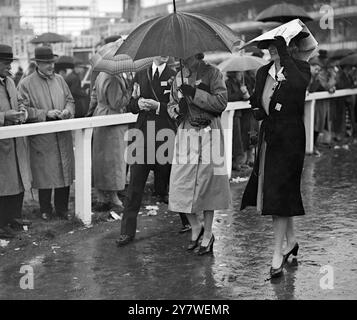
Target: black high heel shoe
[
  {"x": 293, "y": 251},
  {"x": 277, "y": 272},
  {"x": 208, "y": 249},
  {"x": 194, "y": 243}
]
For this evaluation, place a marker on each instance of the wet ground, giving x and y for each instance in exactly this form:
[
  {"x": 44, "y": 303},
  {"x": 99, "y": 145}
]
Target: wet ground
[{"x": 84, "y": 263}]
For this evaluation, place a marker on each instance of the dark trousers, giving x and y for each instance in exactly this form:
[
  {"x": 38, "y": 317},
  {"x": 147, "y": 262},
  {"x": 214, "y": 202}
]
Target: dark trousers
[
  {"x": 138, "y": 177},
  {"x": 61, "y": 200},
  {"x": 184, "y": 219},
  {"x": 10, "y": 208},
  {"x": 161, "y": 179},
  {"x": 243, "y": 124}
]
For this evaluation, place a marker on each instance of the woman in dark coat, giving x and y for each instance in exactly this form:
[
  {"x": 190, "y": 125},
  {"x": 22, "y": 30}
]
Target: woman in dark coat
[{"x": 274, "y": 185}]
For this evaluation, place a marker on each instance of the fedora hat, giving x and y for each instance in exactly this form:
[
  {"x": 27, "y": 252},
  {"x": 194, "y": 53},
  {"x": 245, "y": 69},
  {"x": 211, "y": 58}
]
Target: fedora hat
[
  {"x": 44, "y": 54},
  {"x": 6, "y": 53}
]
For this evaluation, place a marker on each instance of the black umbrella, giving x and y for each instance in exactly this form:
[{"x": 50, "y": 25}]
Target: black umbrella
[
  {"x": 49, "y": 37},
  {"x": 179, "y": 35},
  {"x": 350, "y": 60},
  {"x": 340, "y": 53},
  {"x": 283, "y": 12}
]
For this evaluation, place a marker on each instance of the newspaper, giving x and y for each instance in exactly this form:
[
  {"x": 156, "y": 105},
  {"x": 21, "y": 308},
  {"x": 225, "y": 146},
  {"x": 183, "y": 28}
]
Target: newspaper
[{"x": 289, "y": 30}]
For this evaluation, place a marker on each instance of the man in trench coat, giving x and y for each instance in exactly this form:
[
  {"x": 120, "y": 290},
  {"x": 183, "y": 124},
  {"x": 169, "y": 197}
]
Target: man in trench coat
[
  {"x": 46, "y": 97},
  {"x": 14, "y": 171}
]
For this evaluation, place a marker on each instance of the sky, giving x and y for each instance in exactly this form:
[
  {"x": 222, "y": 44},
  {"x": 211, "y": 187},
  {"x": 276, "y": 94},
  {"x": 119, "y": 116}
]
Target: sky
[
  {"x": 116, "y": 5},
  {"x": 110, "y": 5}
]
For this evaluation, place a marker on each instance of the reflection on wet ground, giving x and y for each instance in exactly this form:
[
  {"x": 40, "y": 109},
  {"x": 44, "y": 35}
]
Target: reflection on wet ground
[{"x": 157, "y": 266}]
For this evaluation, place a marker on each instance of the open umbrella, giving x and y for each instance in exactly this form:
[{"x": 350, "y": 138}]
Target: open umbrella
[
  {"x": 241, "y": 63},
  {"x": 340, "y": 53},
  {"x": 283, "y": 12},
  {"x": 350, "y": 60},
  {"x": 179, "y": 35},
  {"x": 49, "y": 37},
  {"x": 105, "y": 60}
]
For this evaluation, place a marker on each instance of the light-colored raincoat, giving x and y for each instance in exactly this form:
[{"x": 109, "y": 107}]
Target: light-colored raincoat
[
  {"x": 112, "y": 95},
  {"x": 15, "y": 174},
  {"x": 51, "y": 154},
  {"x": 199, "y": 179}
]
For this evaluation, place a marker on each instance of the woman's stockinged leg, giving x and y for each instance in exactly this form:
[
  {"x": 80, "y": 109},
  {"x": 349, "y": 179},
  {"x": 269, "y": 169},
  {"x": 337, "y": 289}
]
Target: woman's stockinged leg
[
  {"x": 208, "y": 221},
  {"x": 280, "y": 227},
  {"x": 113, "y": 196},
  {"x": 290, "y": 235},
  {"x": 195, "y": 225}
]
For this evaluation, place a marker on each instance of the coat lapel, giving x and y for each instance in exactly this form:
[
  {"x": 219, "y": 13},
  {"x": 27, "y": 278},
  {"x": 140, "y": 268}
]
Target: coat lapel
[{"x": 260, "y": 82}]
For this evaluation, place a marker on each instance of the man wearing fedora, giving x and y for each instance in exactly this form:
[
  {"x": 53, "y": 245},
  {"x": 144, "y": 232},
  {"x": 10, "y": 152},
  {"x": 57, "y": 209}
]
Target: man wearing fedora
[
  {"x": 14, "y": 170},
  {"x": 46, "y": 97}
]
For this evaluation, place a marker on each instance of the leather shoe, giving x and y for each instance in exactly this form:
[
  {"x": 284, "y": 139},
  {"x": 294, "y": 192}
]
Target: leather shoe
[
  {"x": 277, "y": 272},
  {"x": 185, "y": 228},
  {"x": 194, "y": 243},
  {"x": 123, "y": 240},
  {"x": 293, "y": 251}
]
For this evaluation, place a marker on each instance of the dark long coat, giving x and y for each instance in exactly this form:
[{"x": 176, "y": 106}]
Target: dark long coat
[
  {"x": 73, "y": 81},
  {"x": 284, "y": 133}
]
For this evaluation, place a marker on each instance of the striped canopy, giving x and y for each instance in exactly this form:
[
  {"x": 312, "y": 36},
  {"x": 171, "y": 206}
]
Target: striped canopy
[{"x": 105, "y": 60}]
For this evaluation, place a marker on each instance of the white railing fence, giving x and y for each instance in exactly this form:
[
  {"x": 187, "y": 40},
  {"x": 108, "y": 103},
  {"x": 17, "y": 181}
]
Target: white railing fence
[{"x": 83, "y": 128}]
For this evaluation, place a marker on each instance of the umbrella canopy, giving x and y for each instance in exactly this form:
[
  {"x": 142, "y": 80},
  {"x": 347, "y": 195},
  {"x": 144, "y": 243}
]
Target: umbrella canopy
[
  {"x": 340, "y": 53},
  {"x": 241, "y": 63},
  {"x": 49, "y": 37},
  {"x": 65, "y": 62},
  {"x": 350, "y": 60},
  {"x": 283, "y": 12},
  {"x": 105, "y": 60},
  {"x": 178, "y": 35}
]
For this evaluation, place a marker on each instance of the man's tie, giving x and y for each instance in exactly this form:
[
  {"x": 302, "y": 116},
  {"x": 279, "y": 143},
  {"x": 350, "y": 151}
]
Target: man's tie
[
  {"x": 156, "y": 81},
  {"x": 156, "y": 75}
]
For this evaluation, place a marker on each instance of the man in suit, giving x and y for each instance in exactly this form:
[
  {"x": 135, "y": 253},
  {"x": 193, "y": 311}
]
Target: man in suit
[
  {"x": 150, "y": 97},
  {"x": 14, "y": 169}
]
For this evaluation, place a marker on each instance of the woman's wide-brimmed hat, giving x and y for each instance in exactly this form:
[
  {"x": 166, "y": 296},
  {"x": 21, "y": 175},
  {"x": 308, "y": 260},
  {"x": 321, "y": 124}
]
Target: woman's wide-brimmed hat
[
  {"x": 44, "y": 54},
  {"x": 6, "y": 53},
  {"x": 294, "y": 30},
  {"x": 264, "y": 44}
]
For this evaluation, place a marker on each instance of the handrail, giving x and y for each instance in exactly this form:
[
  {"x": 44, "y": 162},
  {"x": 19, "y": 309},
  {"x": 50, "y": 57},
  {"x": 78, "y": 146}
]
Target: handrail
[
  {"x": 125, "y": 118},
  {"x": 83, "y": 128}
]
